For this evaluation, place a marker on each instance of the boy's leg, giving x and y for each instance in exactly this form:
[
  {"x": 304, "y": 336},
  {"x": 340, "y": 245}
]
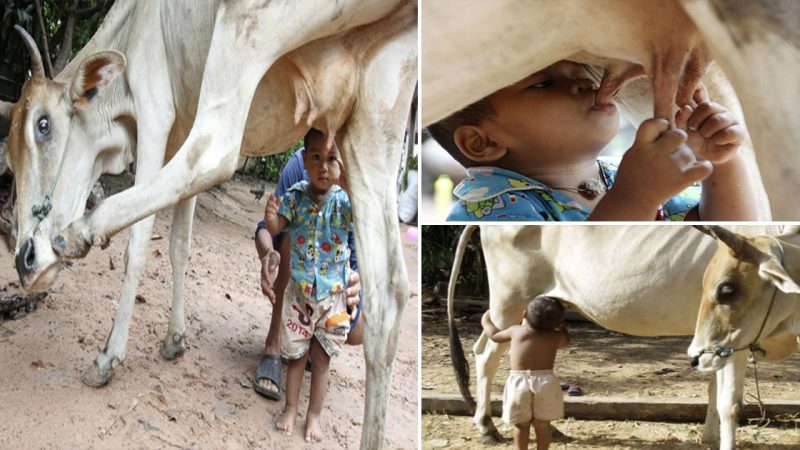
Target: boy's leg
[
  {"x": 294, "y": 380},
  {"x": 543, "y": 436},
  {"x": 522, "y": 435},
  {"x": 320, "y": 363}
]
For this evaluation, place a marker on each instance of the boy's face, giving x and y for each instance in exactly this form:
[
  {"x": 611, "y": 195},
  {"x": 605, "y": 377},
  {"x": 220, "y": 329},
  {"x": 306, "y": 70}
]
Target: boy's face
[
  {"x": 551, "y": 115},
  {"x": 322, "y": 164}
]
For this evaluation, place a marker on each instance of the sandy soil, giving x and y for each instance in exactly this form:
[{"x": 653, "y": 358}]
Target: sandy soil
[
  {"x": 606, "y": 364},
  {"x": 205, "y": 398}
]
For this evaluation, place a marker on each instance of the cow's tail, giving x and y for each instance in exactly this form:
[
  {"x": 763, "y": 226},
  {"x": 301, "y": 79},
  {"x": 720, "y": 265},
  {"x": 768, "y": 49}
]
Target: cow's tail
[{"x": 460, "y": 364}]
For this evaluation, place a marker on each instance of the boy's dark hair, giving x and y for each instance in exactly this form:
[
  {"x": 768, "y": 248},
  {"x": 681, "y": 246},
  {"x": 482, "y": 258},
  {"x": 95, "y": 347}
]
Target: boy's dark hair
[
  {"x": 545, "y": 313},
  {"x": 443, "y": 130},
  {"x": 313, "y": 133}
]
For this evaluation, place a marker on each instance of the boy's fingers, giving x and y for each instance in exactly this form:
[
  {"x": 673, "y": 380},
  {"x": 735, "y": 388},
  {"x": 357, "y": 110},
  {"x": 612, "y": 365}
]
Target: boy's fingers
[
  {"x": 670, "y": 140},
  {"x": 697, "y": 172},
  {"x": 730, "y": 135},
  {"x": 682, "y": 116},
  {"x": 701, "y": 94},
  {"x": 715, "y": 124},
  {"x": 683, "y": 158},
  {"x": 650, "y": 129},
  {"x": 703, "y": 112}
]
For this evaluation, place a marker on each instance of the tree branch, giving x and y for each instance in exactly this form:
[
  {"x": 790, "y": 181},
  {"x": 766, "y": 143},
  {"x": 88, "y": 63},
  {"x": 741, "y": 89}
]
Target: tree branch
[{"x": 45, "y": 46}]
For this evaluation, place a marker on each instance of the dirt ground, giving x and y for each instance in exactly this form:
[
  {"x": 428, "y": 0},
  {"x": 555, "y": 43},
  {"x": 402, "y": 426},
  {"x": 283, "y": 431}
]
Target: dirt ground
[
  {"x": 205, "y": 398},
  {"x": 605, "y": 364}
]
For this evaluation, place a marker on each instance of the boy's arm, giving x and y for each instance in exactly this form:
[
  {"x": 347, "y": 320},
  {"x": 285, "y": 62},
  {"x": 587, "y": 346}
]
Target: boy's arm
[
  {"x": 495, "y": 334},
  {"x": 715, "y": 134},
  {"x": 275, "y": 223},
  {"x": 565, "y": 339}
]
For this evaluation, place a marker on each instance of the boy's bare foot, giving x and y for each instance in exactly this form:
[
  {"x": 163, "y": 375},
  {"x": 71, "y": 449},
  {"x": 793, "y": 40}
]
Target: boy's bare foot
[
  {"x": 287, "y": 419},
  {"x": 313, "y": 432}
]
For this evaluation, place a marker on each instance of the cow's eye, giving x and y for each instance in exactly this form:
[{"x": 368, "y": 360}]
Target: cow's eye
[
  {"x": 43, "y": 126},
  {"x": 726, "y": 292}
]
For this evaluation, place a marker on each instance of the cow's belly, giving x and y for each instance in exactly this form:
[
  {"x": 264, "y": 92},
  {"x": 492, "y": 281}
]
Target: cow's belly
[{"x": 642, "y": 280}]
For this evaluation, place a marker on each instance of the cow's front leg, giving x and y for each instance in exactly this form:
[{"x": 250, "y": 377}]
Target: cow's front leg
[
  {"x": 711, "y": 426},
  {"x": 730, "y": 392},
  {"x": 101, "y": 370},
  {"x": 487, "y": 359},
  {"x": 179, "y": 245}
]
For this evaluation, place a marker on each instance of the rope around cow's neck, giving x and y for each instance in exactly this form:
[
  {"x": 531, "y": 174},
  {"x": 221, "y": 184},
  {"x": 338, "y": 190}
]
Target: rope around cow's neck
[{"x": 41, "y": 210}]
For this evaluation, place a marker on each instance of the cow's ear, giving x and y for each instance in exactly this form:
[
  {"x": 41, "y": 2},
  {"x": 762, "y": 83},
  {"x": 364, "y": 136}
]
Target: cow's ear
[
  {"x": 94, "y": 75},
  {"x": 773, "y": 271}
]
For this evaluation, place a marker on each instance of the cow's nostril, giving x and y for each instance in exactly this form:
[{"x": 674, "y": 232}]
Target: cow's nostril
[
  {"x": 26, "y": 259},
  {"x": 695, "y": 361}
]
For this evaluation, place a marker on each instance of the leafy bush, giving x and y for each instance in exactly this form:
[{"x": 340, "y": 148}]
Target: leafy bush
[{"x": 269, "y": 167}]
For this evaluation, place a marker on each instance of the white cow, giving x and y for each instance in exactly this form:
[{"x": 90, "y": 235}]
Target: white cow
[
  {"x": 638, "y": 280},
  {"x": 471, "y": 49},
  {"x": 200, "y": 82}
]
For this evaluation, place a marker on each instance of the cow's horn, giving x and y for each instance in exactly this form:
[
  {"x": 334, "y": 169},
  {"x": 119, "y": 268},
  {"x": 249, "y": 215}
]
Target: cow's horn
[
  {"x": 37, "y": 69},
  {"x": 735, "y": 241}
]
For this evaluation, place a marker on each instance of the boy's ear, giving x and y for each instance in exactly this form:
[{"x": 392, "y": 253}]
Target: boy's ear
[{"x": 475, "y": 144}]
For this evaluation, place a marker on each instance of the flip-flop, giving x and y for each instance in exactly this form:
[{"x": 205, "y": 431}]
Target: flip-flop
[
  {"x": 574, "y": 391},
  {"x": 564, "y": 386},
  {"x": 269, "y": 368}
]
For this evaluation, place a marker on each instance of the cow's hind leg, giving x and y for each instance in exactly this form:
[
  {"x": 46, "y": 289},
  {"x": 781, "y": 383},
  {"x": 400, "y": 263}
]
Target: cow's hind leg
[
  {"x": 179, "y": 244},
  {"x": 487, "y": 359},
  {"x": 372, "y": 140},
  {"x": 102, "y": 369}
]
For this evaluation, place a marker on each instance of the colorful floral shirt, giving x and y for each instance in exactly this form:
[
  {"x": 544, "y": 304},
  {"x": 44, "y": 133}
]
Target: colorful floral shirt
[
  {"x": 493, "y": 194},
  {"x": 318, "y": 239}
]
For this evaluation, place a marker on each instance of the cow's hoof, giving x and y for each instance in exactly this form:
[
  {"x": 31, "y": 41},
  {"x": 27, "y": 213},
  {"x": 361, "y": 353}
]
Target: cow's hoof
[
  {"x": 95, "y": 377},
  {"x": 492, "y": 437},
  {"x": 173, "y": 348},
  {"x": 71, "y": 244}
]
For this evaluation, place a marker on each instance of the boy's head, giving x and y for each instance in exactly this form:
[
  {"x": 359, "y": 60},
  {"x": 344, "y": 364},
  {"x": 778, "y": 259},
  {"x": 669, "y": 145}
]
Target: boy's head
[
  {"x": 321, "y": 163},
  {"x": 545, "y": 313},
  {"x": 541, "y": 121}
]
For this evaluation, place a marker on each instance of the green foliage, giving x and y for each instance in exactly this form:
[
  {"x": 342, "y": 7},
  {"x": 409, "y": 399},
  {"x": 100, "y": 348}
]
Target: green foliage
[
  {"x": 14, "y": 59},
  {"x": 438, "y": 249},
  {"x": 269, "y": 167}
]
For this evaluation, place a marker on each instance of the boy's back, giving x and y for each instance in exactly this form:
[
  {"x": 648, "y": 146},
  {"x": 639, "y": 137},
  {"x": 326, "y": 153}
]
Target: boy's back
[{"x": 533, "y": 349}]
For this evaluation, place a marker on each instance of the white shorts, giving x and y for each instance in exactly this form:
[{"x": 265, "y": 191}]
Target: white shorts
[{"x": 532, "y": 394}]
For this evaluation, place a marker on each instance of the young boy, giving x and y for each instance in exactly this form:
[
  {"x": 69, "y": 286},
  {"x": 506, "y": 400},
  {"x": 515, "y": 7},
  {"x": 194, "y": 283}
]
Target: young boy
[
  {"x": 531, "y": 150},
  {"x": 532, "y": 391},
  {"x": 315, "y": 319}
]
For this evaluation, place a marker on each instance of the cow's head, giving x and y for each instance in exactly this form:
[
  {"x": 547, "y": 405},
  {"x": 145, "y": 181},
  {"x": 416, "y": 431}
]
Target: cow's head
[
  {"x": 749, "y": 299},
  {"x": 60, "y": 137}
]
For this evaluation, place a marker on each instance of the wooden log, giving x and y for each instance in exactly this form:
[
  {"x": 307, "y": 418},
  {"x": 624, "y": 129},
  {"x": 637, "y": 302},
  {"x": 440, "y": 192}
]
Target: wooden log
[{"x": 619, "y": 408}]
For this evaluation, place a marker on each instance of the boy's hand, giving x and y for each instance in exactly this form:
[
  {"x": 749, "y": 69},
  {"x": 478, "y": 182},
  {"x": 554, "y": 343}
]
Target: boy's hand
[
  {"x": 271, "y": 211},
  {"x": 342, "y": 182},
  {"x": 657, "y": 166},
  {"x": 269, "y": 272},
  {"x": 714, "y": 133}
]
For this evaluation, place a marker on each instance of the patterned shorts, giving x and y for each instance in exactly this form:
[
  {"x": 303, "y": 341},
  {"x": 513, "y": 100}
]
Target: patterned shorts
[{"x": 303, "y": 318}]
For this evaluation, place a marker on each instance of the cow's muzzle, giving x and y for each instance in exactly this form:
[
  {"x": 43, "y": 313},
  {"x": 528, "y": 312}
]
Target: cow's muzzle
[{"x": 26, "y": 260}]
